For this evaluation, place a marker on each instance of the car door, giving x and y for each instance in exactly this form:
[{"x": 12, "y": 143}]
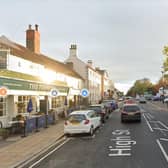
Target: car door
[{"x": 92, "y": 116}]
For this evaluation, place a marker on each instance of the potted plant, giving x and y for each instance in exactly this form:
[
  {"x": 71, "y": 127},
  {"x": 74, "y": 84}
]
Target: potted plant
[{"x": 4, "y": 133}]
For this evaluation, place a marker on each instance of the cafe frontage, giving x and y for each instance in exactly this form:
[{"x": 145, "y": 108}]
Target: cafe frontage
[{"x": 18, "y": 93}]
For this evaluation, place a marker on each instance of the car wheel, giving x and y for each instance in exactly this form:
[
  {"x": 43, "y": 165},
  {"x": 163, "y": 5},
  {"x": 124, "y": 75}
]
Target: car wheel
[{"x": 91, "y": 131}]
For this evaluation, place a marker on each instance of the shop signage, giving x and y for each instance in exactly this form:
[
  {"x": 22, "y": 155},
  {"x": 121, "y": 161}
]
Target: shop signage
[
  {"x": 84, "y": 93},
  {"x": 54, "y": 92},
  {"x": 3, "y": 91},
  {"x": 14, "y": 84}
]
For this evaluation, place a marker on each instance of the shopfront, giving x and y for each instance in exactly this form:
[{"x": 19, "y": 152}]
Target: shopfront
[{"x": 19, "y": 93}]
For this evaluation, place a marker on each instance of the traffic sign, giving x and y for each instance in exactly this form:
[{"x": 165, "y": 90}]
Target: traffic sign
[
  {"x": 84, "y": 93},
  {"x": 54, "y": 92}
]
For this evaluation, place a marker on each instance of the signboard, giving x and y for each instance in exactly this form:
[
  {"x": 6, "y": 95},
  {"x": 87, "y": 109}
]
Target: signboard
[
  {"x": 84, "y": 93},
  {"x": 3, "y": 91},
  {"x": 15, "y": 84},
  {"x": 54, "y": 92}
]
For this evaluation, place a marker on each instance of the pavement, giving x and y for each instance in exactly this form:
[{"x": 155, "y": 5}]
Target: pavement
[{"x": 16, "y": 150}]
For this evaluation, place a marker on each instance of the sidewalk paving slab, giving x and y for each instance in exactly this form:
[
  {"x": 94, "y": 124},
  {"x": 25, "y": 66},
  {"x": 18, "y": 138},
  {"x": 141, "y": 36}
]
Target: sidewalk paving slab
[{"x": 24, "y": 148}]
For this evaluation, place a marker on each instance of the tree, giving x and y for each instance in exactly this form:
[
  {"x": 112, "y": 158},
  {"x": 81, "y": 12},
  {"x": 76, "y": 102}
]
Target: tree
[{"x": 140, "y": 87}]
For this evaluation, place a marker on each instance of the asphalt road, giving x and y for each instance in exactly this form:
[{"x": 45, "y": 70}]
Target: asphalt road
[{"x": 118, "y": 145}]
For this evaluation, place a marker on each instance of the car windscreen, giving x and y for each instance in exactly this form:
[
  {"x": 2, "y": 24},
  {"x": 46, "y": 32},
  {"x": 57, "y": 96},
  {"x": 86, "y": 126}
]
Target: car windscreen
[
  {"x": 76, "y": 117},
  {"x": 131, "y": 108},
  {"x": 97, "y": 109}
]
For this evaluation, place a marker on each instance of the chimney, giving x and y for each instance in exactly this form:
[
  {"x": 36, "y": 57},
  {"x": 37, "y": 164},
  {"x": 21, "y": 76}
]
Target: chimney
[
  {"x": 90, "y": 63},
  {"x": 33, "y": 39},
  {"x": 70, "y": 65},
  {"x": 73, "y": 50}
]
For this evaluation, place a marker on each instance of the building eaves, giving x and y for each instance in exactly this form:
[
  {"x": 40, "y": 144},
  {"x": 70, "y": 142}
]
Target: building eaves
[{"x": 21, "y": 51}]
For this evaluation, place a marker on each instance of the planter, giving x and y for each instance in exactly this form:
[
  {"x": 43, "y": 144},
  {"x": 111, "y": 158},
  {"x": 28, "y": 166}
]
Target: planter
[{"x": 4, "y": 133}]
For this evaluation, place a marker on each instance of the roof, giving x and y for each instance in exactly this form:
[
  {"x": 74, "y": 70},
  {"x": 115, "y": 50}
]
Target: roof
[
  {"x": 21, "y": 51},
  {"x": 131, "y": 104},
  {"x": 81, "y": 112},
  {"x": 96, "y": 105}
]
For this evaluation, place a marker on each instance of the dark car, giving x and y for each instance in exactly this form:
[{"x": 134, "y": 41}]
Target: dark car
[
  {"x": 100, "y": 110},
  {"x": 130, "y": 112},
  {"x": 110, "y": 105}
]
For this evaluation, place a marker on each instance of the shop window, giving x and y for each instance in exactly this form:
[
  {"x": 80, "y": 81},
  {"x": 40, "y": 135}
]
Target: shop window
[
  {"x": 2, "y": 106},
  {"x": 58, "y": 101},
  {"x": 22, "y": 103}
]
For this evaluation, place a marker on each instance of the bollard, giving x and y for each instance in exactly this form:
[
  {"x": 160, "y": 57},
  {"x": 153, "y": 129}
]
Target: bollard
[
  {"x": 46, "y": 117},
  {"x": 37, "y": 130},
  {"x": 24, "y": 128}
]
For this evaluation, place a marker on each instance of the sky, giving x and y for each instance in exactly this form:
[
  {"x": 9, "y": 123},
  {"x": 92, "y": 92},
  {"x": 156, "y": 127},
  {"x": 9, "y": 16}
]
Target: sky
[{"x": 125, "y": 37}]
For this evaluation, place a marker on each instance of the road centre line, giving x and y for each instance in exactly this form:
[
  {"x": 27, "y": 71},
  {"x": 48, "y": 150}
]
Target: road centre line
[
  {"x": 148, "y": 123},
  {"x": 162, "y": 149},
  {"x": 34, "y": 164}
]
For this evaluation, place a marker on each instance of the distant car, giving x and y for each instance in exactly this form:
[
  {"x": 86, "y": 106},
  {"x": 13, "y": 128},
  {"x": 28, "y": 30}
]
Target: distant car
[
  {"x": 82, "y": 121},
  {"x": 100, "y": 110},
  {"x": 142, "y": 100},
  {"x": 156, "y": 98},
  {"x": 130, "y": 112},
  {"x": 108, "y": 106},
  {"x": 166, "y": 99}
]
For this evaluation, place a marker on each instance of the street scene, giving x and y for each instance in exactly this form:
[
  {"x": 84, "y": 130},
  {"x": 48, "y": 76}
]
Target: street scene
[
  {"x": 84, "y": 84},
  {"x": 116, "y": 144}
]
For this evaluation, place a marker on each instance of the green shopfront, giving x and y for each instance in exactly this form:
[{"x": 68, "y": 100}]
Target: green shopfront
[{"x": 19, "y": 93}]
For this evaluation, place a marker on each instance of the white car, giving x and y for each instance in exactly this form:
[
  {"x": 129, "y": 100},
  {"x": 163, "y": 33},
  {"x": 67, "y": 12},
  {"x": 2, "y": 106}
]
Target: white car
[{"x": 82, "y": 121}]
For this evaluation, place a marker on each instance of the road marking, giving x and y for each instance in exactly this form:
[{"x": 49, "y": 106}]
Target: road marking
[
  {"x": 163, "y": 139},
  {"x": 121, "y": 143},
  {"x": 34, "y": 164},
  {"x": 148, "y": 117},
  {"x": 160, "y": 129},
  {"x": 152, "y": 117},
  {"x": 163, "y": 125},
  {"x": 148, "y": 123},
  {"x": 162, "y": 149}
]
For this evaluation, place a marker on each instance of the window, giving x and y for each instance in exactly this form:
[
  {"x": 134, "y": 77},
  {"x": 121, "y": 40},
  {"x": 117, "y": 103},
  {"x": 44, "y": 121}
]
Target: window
[
  {"x": 58, "y": 101},
  {"x": 22, "y": 103},
  {"x": 131, "y": 108},
  {"x": 3, "y": 59},
  {"x": 2, "y": 106}
]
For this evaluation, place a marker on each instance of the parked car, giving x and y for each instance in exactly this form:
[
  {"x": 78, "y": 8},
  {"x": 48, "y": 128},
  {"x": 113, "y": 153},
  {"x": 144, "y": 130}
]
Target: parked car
[
  {"x": 156, "y": 98},
  {"x": 130, "y": 112},
  {"x": 108, "y": 106},
  {"x": 100, "y": 110},
  {"x": 166, "y": 99},
  {"x": 142, "y": 99},
  {"x": 82, "y": 121},
  {"x": 114, "y": 104}
]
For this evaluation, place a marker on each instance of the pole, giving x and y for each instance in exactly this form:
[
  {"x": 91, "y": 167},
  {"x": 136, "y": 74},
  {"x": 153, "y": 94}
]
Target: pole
[{"x": 46, "y": 113}]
